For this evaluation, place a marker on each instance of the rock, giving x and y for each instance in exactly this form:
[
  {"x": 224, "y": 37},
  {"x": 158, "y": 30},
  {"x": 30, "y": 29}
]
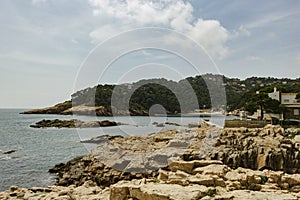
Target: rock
[
  {"x": 273, "y": 177},
  {"x": 106, "y": 123},
  {"x": 101, "y": 139},
  {"x": 160, "y": 125},
  {"x": 233, "y": 185},
  {"x": 163, "y": 175},
  {"x": 212, "y": 169},
  {"x": 220, "y": 182},
  {"x": 202, "y": 180},
  {"x": 88, "y": 168},
  {"x": 157, "y": 191},
  {"x": 194, "y": 125},
  {"x": 203, "y": 163},
  {"x": 262, "y": 161},
  {"x": 292, "y": 180},
  {"x": 119, "y": 192},
  {"x": 9, "y": 151},
  {"x": 57, "y": 109},
  {"x": 273, "y": 151},
  {"x": 172, "y": 124},
  {"x": 178, "y": 177},
  {"x": 88, "y": 110},
  {"x": 251, "y": 195},
  {"x": 13, "y": 188},
  {"x": 232, "y": 176},
  {"x": 57, "y": 192},
  {"x": 181, "y": 165},
  {"x": 73, "y": 123}
]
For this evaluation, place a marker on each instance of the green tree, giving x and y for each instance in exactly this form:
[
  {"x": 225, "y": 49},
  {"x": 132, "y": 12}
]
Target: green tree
[{"x": 262, "y": 101}]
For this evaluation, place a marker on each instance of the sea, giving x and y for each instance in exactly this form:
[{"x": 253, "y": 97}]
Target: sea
[{"x": 37, "y": 150}]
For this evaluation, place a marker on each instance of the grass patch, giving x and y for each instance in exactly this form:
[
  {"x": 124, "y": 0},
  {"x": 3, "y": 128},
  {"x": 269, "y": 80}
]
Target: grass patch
[
  {"x": 211, "y": 192},
  {"x": 264, "y": 179}
]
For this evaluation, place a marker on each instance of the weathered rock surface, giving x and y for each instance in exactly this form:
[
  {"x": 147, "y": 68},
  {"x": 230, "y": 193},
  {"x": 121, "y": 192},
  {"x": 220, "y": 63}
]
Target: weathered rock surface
[
  {"x": 208, "y": 183},
  {"x": 88, "y": 191},
  {"x": 182, "y": 167},
  {"x": 73, "y": 123},
  {"x": 87, "y": 168},
  {"x": 266, "y": 148}
]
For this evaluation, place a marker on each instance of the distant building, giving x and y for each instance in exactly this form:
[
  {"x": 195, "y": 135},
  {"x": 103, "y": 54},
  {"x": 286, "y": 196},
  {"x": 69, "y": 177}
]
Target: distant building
[
  {"x": 275, "y": 95},
  {"x": 289, "y": 98},
  {"x": 289, "y": 101}
]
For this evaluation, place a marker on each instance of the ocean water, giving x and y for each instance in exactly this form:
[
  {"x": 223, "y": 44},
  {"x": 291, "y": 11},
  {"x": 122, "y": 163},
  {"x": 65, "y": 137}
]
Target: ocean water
[{"x": 37, "y": 150}]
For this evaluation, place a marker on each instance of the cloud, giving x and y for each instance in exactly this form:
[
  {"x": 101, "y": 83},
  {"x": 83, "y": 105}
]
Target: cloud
[
  {"x": 241, "y": 32},
  {"x": 268, "y": 19},
  {"x": 105, "y": 32},
  {"x": 36, "y": 2},
  {"x": 174, "y": 14}
]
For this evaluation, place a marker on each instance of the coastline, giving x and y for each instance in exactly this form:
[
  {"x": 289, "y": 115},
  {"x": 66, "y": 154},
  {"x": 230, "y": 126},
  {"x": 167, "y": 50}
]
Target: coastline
[{"x": 260, "y": 163}]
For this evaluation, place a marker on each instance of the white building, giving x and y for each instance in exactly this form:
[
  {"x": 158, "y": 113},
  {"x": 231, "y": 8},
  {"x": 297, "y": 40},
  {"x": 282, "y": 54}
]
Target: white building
[
  {"x": 275, "y": 95},
  {"x": 290, "y": 102},
  {"x": 288, "y": 98}
]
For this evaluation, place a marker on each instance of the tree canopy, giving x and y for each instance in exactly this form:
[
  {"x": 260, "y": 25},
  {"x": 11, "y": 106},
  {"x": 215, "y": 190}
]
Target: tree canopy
[{"x": 145, "y": 93}]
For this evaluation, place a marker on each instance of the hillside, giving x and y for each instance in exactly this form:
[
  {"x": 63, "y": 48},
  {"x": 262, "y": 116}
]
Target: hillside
[{"x": 176, "y": 97}]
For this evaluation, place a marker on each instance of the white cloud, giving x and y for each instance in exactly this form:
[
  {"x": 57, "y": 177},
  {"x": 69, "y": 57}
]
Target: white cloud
[
  {"x": 36, "y": 2},
  {"x": 174, "y": 14},
  {"x": 104, "y": 32},
  {"x": 268, "y": 19},
  {"x": 241, "y": 32}
]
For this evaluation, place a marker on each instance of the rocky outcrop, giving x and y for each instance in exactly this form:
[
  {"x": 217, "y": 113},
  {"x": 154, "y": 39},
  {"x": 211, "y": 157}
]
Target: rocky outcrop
[
  {"x": 73, "y": 123},
  {"x": 198, "y": 163},
  {"x": 86, "y": 192},
  {"x": 203, "y": 179},
  {"x": 57, "y": 109},
  {"x": 88, "y": 110},
  {"x": 9, "y": 151},
  {"x": 101, "y": 139},
  {"x": 188, "y": 180},
  {"x": 271, "y": 148},
  {"x": 67, "y": 108},
  {"x": 88, "y": 168}
]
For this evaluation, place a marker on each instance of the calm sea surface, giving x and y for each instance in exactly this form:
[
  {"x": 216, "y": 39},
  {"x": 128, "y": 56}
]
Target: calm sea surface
[{"x": 37, "y": 150}]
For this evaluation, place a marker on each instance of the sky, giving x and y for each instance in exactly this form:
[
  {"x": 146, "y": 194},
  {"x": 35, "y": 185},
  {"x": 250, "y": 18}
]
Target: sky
[{"x": 51, "y": 48}]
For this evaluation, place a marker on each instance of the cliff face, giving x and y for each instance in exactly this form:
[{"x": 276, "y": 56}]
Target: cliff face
[{"x": 268, "y": 148}]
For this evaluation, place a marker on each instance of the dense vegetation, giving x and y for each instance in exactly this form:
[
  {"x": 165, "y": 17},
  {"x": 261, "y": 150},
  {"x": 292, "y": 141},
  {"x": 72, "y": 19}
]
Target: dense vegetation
[{"x": 206, "y": 91}]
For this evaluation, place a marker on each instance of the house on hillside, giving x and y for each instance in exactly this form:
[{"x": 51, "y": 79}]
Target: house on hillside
[{"x": 289, "y": 101}]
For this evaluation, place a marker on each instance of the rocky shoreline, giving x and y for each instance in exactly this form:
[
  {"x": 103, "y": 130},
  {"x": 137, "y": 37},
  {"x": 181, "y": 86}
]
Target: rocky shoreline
[
  {"x": 66, "y": 108},
  {"x": 197, "y": 163},
  {"x": 74, "y": 123}
]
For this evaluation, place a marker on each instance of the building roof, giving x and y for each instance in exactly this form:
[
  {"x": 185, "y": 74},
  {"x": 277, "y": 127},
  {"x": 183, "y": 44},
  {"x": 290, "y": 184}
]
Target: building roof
[
  {"x": 292, "y": 105},
  {"x": 290, "y": 93}
]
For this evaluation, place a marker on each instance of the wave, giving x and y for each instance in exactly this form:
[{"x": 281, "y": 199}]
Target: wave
[{"x": 5, "y": 157}]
